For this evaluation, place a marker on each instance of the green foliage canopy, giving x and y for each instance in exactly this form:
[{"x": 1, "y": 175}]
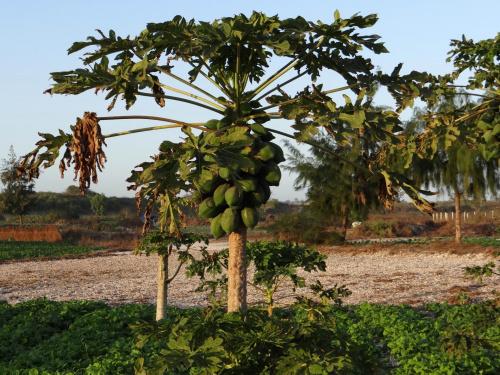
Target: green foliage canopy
[
  {"x": 233, "y": 54},
  {"x": 17, "y": 194}
]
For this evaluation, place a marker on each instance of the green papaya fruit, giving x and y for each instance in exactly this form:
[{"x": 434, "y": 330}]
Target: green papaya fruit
[
  {"x": 256, "y": 198},
  {"x": 207, "y": 208},
  {"x": 268, "y": 137},
  {"x": 254, "y": 104},
  {"x": 258, "y": 129},
  {"x": 248, "y": 184},
  {"x": 252, "y": 171},
  {"x": 219, "y": 194},
  {"x": 225, "y": 173},
  {"x": 230, "y": 220},
  {"x": 212, "y": 124},
  {"x": 224, "y": 122},
  {"x": 210, "y": 185},
  {"x": 266, "y": 189},
  {"x": 245, "y": 109},
  {"x": 234, "y": 198},
  {"x": 228, "y": 112},
  {"x": 215, "y": 227},
  {"x": 263, "y": 119},
  {"x": 262, "y": 132},
  {"x": 250, "y": 217},
  {"x": 271, "y": 173},
  {"x": 279, "y": 155},
  {"x": 264, "y": 150}
]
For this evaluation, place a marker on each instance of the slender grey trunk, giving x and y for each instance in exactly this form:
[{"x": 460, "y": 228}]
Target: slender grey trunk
[
  {"x": 458, "y": 223},
  {"x": 162, "y": 291},
  {"x": 237, "y": 271}
]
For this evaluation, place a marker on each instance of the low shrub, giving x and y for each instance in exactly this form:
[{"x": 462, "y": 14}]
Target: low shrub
[
  {"x": 378, "y": 228},
  {"x": 86, "y": 337}
]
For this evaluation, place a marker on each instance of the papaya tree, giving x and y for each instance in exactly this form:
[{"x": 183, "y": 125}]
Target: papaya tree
[
  {"x": 464, "y": 135},
  {"x": 227, "y": 162},
  {"x": 483, "y": 59}
]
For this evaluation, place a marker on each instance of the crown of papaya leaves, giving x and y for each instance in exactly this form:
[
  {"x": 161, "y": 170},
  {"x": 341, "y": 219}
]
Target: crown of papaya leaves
[{"x": 84, "y": 148}]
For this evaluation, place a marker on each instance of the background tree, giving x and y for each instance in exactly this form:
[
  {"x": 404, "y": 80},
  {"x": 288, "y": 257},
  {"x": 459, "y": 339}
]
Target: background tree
[
  {"x": 97, "y": 204},
  {"x": 335, "y": 188},
  {"x": 17, "y": 194},
  {"x": 458, "y": 165},
  {"x": 234, "y": 152}
]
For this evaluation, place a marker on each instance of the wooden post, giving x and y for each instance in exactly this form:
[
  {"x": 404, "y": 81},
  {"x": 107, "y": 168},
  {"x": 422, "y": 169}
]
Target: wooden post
[{"x": 458, "y": 225}]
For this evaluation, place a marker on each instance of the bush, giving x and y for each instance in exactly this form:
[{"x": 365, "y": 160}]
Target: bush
[
  {"x": 334, "y": 238},
  {"x": 378, "y": 228}
]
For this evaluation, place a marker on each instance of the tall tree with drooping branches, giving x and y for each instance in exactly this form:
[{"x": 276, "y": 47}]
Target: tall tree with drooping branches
[
  {"x": 227, "y": 161},
  {"x": 335, "y": 188}
]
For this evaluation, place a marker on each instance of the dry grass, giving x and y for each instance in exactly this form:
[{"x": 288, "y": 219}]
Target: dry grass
[
  {"x": 114, "y": 241},
  {"x": 49, "y": 233},
  {"x": 445, "y": 247}
]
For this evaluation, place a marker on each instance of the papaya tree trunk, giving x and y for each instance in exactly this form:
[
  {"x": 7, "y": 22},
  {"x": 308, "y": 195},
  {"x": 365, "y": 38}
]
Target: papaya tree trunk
[
  {"x": 344, "y": 225},
  {"x": 162, "y": 290},
  {"x": 237, "y": 271},
  {"x": 458, "y": 223}
]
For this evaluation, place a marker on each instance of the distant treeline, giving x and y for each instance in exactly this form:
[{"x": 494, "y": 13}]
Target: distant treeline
[{"x": 73, "y": 203}]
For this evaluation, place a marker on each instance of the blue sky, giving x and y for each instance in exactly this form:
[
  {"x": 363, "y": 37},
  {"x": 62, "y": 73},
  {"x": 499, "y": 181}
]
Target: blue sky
[{"x": 37, "y": 34}]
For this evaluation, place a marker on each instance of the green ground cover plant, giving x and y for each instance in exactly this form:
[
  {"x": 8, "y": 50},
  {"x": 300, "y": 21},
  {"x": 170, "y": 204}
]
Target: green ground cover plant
[
  {"x": 86, "y": 337},
  {"x": 482, "y": 241},
  {"x": 10, "y": 250}
]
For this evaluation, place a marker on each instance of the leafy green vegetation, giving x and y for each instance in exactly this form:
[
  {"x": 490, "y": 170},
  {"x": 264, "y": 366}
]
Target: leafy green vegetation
[
  {"x": 484, "y": 241},
  {"x": 23, "y": 250},
  {"x": 88, "y": 337},
  {"x": 276, "y": 263}
]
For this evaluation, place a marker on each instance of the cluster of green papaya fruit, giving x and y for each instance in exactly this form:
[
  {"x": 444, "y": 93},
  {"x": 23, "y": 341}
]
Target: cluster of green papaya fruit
[
  {"x": 490, "y": 124},
  {"x": 233, "y": 197}
]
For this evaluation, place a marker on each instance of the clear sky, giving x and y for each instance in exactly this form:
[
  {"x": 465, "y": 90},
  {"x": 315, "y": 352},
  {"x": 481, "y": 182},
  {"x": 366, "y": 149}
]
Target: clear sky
[{"x": 35, "y": 36}]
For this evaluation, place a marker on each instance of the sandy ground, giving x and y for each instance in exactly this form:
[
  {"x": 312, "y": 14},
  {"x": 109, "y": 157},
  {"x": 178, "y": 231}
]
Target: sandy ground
[{"x": 382, "y": 274}]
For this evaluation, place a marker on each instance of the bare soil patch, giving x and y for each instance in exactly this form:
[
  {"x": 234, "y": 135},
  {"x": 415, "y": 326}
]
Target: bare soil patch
[{"x": 379, "y": 273}]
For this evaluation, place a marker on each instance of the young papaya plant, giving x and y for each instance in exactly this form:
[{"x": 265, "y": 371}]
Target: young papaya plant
[
  {"x": 161, "y": 243},
  {"x": 489, "y": 269},
  {"x": 230, "y": 147},
  {"x": 276, "y": 264}
]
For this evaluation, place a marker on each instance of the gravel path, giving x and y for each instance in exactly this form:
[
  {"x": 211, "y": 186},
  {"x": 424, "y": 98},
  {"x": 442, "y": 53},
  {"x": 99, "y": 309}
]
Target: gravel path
[{"x": 379, "y": 277}]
